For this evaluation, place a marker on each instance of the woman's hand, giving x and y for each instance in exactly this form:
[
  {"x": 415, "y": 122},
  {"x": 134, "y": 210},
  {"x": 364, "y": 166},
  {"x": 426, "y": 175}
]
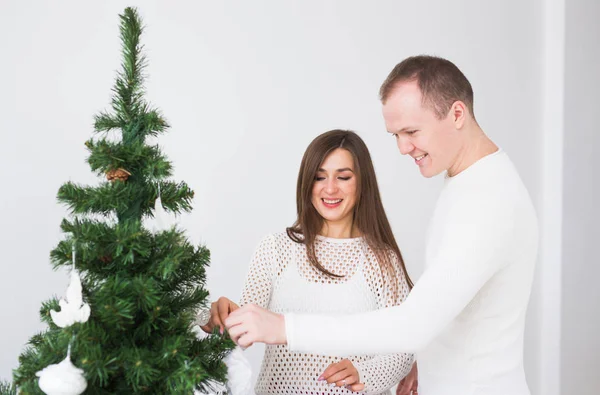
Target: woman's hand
[
  {"x": 219, "y": 311},
  {"x": 252, "y": 324},
  {"x": 409, "y": 384},
  {"x": 343, "y": 374}
]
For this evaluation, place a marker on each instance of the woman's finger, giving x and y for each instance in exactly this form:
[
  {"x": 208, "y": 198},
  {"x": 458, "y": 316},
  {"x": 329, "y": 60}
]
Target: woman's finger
[
  {"x": 348, "y": 380},
  {"x": 331, "y": 370},
  {"x": 339, "y": 376},
  {"x": 356, "y": 387}
]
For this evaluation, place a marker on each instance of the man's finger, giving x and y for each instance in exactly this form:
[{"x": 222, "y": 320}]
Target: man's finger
[
  {"x": 239, "y": 316},
  {"x": 245, "y": 341},
  {"x": 235, "y": 331},
  {"x": 235, "y": 318}
]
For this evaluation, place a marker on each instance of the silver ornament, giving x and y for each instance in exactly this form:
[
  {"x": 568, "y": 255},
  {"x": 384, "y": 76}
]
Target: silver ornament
[{"x": 203, "y": 317}]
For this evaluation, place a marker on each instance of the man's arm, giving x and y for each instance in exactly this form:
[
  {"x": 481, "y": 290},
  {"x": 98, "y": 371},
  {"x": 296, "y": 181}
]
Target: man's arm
[{"x": 472, "y": 249}]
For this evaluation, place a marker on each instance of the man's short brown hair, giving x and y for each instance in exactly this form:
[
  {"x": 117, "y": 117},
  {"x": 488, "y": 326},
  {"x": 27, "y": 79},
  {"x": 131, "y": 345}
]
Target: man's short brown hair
[{"x": 440, "y": 81}]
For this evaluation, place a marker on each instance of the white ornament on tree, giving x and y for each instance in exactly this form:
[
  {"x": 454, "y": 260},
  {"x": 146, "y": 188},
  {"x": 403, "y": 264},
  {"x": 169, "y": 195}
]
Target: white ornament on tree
[
  {"x": 72, "y": 309},
  {"x": 162, "y": 219},
  {"x": 63, "y": 378},
  {"x": 239, "y": 372}
]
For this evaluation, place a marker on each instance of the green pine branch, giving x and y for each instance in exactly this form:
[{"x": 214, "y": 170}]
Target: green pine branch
[
  {"x": 137, "y": 158},
  {"x": 128, "y": 200}
]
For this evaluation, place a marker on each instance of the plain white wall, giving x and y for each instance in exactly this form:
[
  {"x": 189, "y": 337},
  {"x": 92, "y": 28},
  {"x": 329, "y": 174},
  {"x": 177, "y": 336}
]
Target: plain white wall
[
  {"x": 548, "y": 311},
  {"x": 246, "y": 86},
  {"x": 580, "y": 344}
]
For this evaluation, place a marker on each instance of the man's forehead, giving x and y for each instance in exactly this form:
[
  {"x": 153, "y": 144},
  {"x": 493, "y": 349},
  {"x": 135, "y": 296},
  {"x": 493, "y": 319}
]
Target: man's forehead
[
  {"x": 405, "y": 88},
  {"x": 404, "y": 95},
  {"x": 398, "y": 110},
  {"x": 404, "y": 107}
]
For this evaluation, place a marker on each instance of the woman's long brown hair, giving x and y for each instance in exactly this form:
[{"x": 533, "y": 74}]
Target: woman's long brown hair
[{"x": 369, "y": 217}]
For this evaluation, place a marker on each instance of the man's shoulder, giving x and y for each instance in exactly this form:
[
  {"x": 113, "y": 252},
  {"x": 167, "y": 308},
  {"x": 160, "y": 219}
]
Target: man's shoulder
[
  {"x": 487, "y": 200},
  {"x": 497, "y": 185}
]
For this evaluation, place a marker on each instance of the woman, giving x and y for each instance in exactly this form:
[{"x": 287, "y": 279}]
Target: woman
[{"x": 340, "y": 256}]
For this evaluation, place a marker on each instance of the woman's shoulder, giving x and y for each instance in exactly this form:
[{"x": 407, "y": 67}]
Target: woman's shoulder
[
  {"x": 278, "y": 240},
  {"x": 372, "y": 262},
  {"x": 385, "y": 250}
]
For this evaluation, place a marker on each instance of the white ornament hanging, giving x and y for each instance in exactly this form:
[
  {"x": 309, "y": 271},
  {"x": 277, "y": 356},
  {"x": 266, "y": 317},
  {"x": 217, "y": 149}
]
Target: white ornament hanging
[
  {"x": 239, "y": 372},
  {"x": 162, "y": 219},
  {"x": 63, "y": 378},
  {"x": 72, "y": 309}
]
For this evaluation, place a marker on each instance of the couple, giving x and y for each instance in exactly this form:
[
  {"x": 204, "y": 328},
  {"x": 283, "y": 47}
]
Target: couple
[{"x": 335, "y": 284}]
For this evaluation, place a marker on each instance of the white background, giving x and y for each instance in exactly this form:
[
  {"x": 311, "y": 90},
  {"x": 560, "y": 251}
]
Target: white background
[
  {"x": 247, "y": 85},
  {"x": 580, "y": 320}
]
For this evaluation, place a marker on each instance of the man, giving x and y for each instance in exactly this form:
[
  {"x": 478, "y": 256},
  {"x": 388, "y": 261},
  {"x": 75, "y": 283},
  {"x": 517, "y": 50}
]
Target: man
[{"x": 465, "y": 317}]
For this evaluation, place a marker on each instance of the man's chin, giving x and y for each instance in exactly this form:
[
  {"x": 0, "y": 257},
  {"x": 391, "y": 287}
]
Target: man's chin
[{"x": 428, "y": 172}]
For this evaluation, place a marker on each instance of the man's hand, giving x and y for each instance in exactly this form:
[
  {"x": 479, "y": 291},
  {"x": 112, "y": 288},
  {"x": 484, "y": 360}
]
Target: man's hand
[
  {"x": 343, "y": 374},
  {"x": 409, "y": 385},
  {"x": 219, "y": 311},
  {"x": 252, "y": 324}
]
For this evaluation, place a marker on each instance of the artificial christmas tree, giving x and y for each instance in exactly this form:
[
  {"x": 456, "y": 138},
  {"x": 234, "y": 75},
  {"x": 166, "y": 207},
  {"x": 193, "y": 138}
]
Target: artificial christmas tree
[{"x": 143, "y": 285}]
